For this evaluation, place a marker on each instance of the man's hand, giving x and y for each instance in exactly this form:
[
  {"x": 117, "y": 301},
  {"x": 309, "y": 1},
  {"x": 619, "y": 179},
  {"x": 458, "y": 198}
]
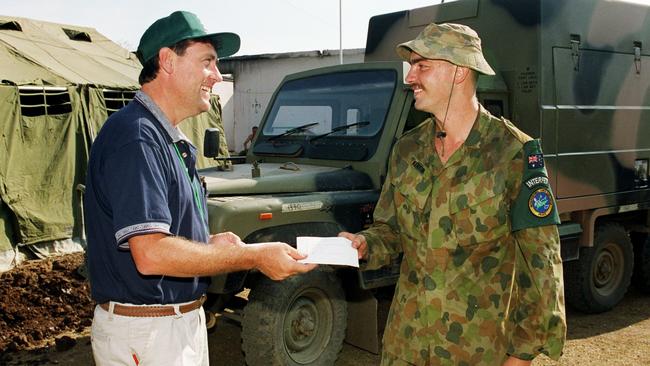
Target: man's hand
[
  {"x": 279, "y": 260},
  {"x": 514, "y": 361},
  {"x": 225, "y": 238},
  {"x": 358, "y": 242}
]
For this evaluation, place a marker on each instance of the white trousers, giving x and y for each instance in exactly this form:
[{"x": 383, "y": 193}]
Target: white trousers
[{"x": 171, "y": 340}]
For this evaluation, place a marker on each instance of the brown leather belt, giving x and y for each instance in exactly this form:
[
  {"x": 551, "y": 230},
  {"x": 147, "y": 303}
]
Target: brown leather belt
[{"x": 154, "y": 310}]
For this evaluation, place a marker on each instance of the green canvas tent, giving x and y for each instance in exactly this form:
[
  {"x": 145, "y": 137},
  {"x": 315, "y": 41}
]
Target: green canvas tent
[{"x": 58, "y": 84}]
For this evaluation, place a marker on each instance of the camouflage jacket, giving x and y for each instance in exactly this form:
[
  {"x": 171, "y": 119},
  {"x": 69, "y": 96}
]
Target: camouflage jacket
[{"x": 481, "y": 274}]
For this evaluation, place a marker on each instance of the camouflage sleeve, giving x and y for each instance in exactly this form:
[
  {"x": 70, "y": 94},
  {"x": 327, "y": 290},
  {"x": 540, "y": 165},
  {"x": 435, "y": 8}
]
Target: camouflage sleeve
[
  {"x": 537, "y": 319},
  {"x": 383, "y": 235},
  {"x": 535, "y": 204}
]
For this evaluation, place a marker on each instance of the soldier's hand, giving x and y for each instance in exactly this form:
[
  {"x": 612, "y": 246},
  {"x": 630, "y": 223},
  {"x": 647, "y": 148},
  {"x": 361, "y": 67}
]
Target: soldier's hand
[
  {"x": 514, "y": 361},
  {"x": 358, "y": 242},
  {"x": 279, "y": 260},
  {"x": 225, "y": 238}
]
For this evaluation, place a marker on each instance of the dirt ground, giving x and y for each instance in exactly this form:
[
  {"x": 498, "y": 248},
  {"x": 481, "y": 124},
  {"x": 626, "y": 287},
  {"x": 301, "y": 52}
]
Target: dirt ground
[
  {"x": 45, "y": 314},
  {"x": 40, "y": 300}
]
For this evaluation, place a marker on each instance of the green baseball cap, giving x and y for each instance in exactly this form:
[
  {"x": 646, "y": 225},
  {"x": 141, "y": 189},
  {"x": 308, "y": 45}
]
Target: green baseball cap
[
  {"x": 179, "y": 26},
  {"x": 456, "y": 43}
]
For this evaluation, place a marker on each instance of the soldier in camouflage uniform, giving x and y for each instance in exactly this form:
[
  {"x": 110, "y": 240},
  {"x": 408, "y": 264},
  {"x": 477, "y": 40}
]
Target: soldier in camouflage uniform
[{"x": 467, "y": 202}]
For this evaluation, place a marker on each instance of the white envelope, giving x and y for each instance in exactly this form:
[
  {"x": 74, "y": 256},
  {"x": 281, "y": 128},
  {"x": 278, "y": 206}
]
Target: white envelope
[{"x": 328, "y": 250}]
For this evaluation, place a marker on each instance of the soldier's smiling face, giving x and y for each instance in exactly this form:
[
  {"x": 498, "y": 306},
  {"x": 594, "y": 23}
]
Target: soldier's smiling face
[{"x": 431, "y": 82}]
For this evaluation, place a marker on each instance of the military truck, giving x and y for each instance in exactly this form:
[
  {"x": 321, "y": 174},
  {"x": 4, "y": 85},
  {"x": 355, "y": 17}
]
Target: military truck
[{"x": 573, "y": 73}]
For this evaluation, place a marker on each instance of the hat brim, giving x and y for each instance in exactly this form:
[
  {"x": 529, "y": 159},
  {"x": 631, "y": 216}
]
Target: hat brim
[
  {"x": 226, "y": 43},
  {"x": 478, "y": 63},
  {"x": 404, "y": 51}
]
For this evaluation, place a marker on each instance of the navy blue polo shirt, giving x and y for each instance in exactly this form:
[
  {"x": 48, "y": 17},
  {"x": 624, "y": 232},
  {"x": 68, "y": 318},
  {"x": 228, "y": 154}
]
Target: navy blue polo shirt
[{"x": 141, "y": 179}]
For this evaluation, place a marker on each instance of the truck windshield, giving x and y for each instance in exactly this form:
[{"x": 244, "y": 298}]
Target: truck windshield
[{"x": 333, "y": 101}]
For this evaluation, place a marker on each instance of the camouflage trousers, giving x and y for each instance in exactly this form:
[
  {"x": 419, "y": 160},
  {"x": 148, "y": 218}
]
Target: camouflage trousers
[{"x": 388, "y": 359}]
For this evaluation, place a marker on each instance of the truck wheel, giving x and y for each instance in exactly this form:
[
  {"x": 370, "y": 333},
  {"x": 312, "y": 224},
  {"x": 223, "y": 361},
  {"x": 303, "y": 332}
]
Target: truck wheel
[
  {"x": 600, "y": 278},
  {"x": 641, "y": 278},
  {"x": 298, "y": 321}
]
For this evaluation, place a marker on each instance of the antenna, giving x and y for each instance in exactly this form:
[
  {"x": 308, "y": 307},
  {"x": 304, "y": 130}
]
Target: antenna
[{"x": 340, "y": 33}]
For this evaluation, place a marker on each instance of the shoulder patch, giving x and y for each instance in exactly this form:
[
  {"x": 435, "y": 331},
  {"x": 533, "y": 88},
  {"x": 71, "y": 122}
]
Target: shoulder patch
[
  {"x": 533, "y": 155},
  {"x": 535, "y": 161},
  {"x": 535, "y": 204},
  {"x": 540, "y": 202},
  {"x": 530, "y": 183}
]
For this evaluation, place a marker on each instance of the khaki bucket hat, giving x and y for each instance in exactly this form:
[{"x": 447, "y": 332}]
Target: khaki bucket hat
[{"x": 456, "y": 43}]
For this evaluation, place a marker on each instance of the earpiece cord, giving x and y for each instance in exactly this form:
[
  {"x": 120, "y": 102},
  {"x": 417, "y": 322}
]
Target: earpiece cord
[{"x": 442, "y": 133}]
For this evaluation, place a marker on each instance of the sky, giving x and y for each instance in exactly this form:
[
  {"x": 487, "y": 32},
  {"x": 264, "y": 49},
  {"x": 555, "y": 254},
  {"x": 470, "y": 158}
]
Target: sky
[{"x": 265, "y": 26}]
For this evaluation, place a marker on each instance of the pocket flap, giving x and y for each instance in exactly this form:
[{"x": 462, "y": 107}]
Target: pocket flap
[
  {"x": 476, "y": 190},
  {"x": 415, "y": 186}
]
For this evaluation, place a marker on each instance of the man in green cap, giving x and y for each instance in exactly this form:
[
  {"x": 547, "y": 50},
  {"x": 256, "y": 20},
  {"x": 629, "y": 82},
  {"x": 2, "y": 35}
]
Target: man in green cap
[
  {"x": 467, "y": 202},
  {"x": 150, "y": 252}
]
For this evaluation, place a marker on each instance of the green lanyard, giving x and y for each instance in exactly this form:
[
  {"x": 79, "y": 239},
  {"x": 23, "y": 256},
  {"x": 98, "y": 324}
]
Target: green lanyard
[{"x": 195, "y": 192}]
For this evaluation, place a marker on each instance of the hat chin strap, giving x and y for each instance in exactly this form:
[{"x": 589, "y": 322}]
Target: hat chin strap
[{"x": 442, "y": 133}]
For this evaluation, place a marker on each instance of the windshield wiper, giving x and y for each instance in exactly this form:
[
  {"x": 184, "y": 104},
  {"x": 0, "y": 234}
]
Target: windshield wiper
[
  {"x": 339, "y": 128},
  {"x": 292, "y": 131}
]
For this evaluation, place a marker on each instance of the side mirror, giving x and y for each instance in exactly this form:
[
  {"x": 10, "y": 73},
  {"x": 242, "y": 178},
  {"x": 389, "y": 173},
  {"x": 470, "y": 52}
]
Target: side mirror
[{"x": 211, "y": 143}]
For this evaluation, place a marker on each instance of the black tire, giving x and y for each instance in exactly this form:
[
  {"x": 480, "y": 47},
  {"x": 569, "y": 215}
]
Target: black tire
[
  {"x": 298, "y": 321},
  {"x": 600, "y": 278},
  {"x": 641, "y": 277}
]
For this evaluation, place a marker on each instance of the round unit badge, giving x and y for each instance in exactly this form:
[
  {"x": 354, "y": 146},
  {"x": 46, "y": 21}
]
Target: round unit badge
[{"x": 540, "y": 203}]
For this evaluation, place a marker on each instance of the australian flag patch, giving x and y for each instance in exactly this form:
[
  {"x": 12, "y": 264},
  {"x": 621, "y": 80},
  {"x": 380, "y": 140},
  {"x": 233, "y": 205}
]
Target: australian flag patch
[{"x": 535, "y": 161}]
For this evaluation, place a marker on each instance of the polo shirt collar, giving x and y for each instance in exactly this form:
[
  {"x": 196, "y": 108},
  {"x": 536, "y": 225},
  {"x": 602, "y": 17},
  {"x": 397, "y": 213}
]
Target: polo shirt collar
[{"x": 174, "y": 132}]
